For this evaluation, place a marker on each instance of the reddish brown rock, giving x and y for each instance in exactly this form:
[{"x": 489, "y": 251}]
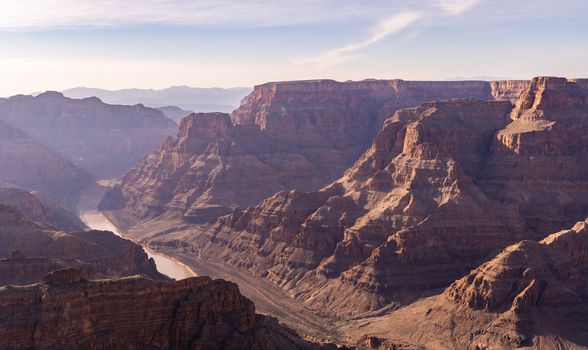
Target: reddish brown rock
[
  {"x": 68, "y": 311},
  {"x": 105, "y": 140},
  {"x": 531, "y": 295},
  {"x": 287, "y": 135},
  {"x": 538, "y": 162},
  {"x": 406, "y": 218},
  {"x": 107, "y": 253}
]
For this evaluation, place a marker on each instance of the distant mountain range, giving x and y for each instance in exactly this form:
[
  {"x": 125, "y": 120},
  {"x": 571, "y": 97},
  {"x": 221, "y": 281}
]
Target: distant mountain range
[{"x": 185, "y": 97}]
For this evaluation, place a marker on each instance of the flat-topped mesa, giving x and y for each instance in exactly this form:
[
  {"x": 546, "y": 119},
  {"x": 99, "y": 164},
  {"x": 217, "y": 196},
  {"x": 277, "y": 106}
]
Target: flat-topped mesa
[
  {"x": 508, "y": 90},
  {"x": 551, "y": 99},
  {"x": 69, "y": 311},
  {"x": 286, "y": 135},
  {"x": 406, "y": 218}
]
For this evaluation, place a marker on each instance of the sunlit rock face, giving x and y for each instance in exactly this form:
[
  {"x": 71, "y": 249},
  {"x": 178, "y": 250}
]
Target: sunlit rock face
[
  {"x": 104, "y": 140},
  {"x": 286, "y": 135},
  {"x": 443, "y": 187},
  {"x": 531, "y": 295}
]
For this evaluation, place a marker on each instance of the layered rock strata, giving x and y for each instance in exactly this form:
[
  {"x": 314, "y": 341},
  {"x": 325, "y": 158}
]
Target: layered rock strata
[
  {"x": 531, "y": 295},
  {"x": 288, "y": 135},
  {"x": 107, "y": 253},
  {"x": 69, "y": 311},
  {"x": 444, "y": 187}
]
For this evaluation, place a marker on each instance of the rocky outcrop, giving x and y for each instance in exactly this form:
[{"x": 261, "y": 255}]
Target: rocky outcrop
[
  {"x": 406, "y": 218},
  {"x": 107, "y": 253},
  {"x": 532, "y": 295},
  {"x": 68, "y": 311},
  {"x": 105, "y": 140},
  {"x": 287, "y": 135},
  {"x": 40, "y": 211},
  {"x": 26, "y": 163},
  {"x": 444, "y": 187},
  {"x": 539, "y": 161}
]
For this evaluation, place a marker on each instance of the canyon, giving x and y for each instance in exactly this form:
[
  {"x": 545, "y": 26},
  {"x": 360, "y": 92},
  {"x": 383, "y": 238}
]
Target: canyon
[
  {"x": 381, "y": 214},
  {"x": 103, "y": 140},
  {"x": 299, "y": 135},
  {"x": 442, "y": 188}
]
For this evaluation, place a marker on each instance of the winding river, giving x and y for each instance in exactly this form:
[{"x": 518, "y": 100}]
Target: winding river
[{"x": 94, "y": 219}]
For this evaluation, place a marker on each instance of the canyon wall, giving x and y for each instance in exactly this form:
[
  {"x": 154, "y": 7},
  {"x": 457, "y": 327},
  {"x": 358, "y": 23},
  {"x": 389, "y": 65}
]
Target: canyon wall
[
  {"x": 107, "y": 253},
  {"x": 68, "y": 311},
  {"x": 444, "y": 187},
  {"x": 104, "y": 140},
  {"x": 285, "y": 135},
  {"x": 531, "y": 295}
]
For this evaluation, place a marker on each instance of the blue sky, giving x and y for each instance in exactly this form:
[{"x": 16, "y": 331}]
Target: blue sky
[{"x": 58, "y": 44}]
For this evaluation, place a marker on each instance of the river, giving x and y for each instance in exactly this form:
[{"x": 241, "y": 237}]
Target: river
[{"x": 94, "y": 219}]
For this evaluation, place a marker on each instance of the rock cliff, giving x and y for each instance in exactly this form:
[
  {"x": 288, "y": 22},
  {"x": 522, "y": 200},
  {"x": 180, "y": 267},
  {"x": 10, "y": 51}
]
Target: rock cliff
[
  {"x": 107, "y": 253},
  {"x": 287, "y": 135},
  {"x": 531, "y": 295},
  {"x": 444, "y": 187},
  {"x": 68, "y": 311},
  {"x": 105, "y": 140}
]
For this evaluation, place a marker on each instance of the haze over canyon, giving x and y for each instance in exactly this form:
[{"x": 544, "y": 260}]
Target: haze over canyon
[{"x": 293, "y": 175}]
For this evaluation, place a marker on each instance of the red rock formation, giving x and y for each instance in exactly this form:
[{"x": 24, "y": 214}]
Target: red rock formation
[
  {"x": 68, "y": 311},
  {"x": 105, "y": 140},
  {"x": 107, "y": 253},
  {"x": 285, "y": 135},
  {"x": 26, "y": 163},
  {"x": 531, "y": 295},
  {"x": 406, "y": 218},
  {"x": 539, "y": 161}
]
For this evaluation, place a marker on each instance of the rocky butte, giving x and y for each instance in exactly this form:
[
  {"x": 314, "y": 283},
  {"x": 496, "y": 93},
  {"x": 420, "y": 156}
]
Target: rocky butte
[
  {"x": 287, "y": 135},
  {"x": 104, "y": 140},
  {"x": 444, "y": 187}
]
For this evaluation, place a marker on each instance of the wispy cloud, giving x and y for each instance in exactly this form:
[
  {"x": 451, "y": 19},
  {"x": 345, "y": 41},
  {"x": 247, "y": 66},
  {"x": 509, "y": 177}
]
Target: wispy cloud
[
  {"x": 457, "y": 7},
  {"x": 48, "y": 14},
  {"x": 381, "y": 30}
]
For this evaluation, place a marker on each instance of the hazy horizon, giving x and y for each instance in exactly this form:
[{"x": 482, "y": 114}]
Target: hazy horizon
[{"x": 155, "y": 44}]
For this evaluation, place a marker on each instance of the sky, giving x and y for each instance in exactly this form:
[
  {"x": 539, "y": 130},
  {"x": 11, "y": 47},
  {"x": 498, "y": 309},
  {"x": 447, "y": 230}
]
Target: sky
[{"x": 113, "y": 44}]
